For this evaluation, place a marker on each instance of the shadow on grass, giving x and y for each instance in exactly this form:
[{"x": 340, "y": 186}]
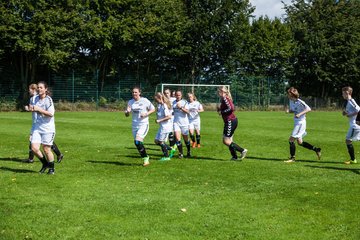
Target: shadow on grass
[
  {"x": 297, "y": 160},
  {"x": 9, "y": 159},
  {"x": 354, "y": 170},
  {"x": 147, "y": 148},
  {"x": 114, "y": 163},
  {"x": 17, "y": 170}
]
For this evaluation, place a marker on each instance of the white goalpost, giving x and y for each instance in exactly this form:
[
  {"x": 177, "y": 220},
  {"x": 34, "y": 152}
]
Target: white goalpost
[{"x": 204, "y": 92}]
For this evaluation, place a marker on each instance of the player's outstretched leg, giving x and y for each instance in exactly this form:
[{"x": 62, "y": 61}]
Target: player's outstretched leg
[
  {"x": 233, "y": 147},
  {"x": 311, "y": 147},
  {"x": 56, "y": 150}
]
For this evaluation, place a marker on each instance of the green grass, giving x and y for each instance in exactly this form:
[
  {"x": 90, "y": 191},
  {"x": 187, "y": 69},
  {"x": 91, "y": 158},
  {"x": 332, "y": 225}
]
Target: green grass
[{"x": 101, "y": 191}]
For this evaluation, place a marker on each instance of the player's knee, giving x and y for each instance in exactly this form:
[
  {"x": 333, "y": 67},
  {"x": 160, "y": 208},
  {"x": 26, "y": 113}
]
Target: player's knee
[{"x": 348, "y": 142}]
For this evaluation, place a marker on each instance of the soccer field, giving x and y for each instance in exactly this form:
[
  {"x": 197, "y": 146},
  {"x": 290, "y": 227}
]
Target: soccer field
[{"x": 101, "y": 191}]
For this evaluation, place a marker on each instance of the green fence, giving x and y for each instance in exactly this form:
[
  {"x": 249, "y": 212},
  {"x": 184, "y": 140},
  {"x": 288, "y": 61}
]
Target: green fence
[{"x": 90, "y": 86}]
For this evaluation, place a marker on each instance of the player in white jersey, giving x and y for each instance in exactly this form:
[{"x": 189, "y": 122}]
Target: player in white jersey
[
  {"x": 181, "y": 123},
  {"x": 163, "y": 118},
  {"x": 195, "y": 107},
  {"x": 351, "y": 111},
  {"x": 33, "y": 93},
  {"x": 43, "y": 128},
  {"x": 141, "y": 108},
  {"x": 299, "y": 108},
  {"x": 172, "y": 141}
]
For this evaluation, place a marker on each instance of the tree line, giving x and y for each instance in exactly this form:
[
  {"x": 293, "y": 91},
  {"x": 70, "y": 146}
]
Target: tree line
[{"x": 315, "y": 47}]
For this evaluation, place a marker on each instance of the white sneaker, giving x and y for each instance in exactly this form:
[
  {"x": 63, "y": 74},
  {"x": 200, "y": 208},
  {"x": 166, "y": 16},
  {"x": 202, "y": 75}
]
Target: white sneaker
[{"x": 243, "y": 154}]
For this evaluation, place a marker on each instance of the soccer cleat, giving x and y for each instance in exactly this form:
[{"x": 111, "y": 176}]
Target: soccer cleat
[
  {"x": 51, "y": 171},
  {"x": 198, "y": 145},
  {"x": 172, "y": 152},
  {"x": 243, "y": 154},
  {"x": 146, "y": 161},
  {"x": 318, "y": 153},
  {"x": 351, "y": 162},
  {"x": 290, "y": 160},
  {"x": 234, "y": 159},
  {"x": 188, "y": 155},
  {"x": 28, "y": 161},
  {"x": 164, "y": 159},
  {"x": 181, "y": 155},
  {"x": 194, "y": 144},
  {"x": 60, "y": 157}
]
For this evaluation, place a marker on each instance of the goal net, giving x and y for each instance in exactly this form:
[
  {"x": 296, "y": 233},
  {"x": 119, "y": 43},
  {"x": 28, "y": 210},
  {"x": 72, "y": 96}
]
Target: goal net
[{"x": 203, "y": 92}]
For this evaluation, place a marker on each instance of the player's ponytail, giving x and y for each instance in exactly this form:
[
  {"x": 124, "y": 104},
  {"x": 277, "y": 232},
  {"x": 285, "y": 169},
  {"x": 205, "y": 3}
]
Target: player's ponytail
[{"x": 225, "y": 90}]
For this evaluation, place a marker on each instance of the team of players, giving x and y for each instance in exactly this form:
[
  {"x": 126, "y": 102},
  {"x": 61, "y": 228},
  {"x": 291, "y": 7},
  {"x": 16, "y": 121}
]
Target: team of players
[{"x": 178, "y": 118}]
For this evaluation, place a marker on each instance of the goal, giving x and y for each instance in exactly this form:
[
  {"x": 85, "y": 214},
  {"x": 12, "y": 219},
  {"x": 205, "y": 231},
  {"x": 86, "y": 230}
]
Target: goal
[{"x": 205, "y": 93}]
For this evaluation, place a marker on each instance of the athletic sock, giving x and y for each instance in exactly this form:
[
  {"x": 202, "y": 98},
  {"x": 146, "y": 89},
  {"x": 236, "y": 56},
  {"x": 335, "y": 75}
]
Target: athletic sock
[
  {"x": 187, "y": 145},
  {"x": 172, "y": 141},
  {"x": 55, "y": 149},
  {"x": 51, "y": 165},
  {"x": 308, "y": 146},
  {"x": 351, "y": 151},
  {"x": 198, "y": 139},
  {"x": 236, "y": 147},
  {"x": 43, "y": 160},
  {"x": 232, "y": 151},
  {"x": 179, "y": 145},
  {"x": 164, "y": 149},
  {"x": 192, "y": 136},
  {"x": 140, "y": 146},
  {"x": 31, "y": 153},
  {"x": 292, "y": 149}
]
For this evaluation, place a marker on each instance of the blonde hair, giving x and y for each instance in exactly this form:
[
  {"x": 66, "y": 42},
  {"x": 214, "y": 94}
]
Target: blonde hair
[
  {"x": 293, "y": 92},
  {"x": 193, "y": 95},
  {"x": 163, "y": 98},
  {"x": 33, "y": 86},
  {"x": 347, "y": 89},
  {"x": 225, "y": 90}
]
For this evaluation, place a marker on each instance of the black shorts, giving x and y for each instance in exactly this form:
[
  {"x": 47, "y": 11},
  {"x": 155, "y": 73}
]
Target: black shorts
[{"x": 229, "y": 127}]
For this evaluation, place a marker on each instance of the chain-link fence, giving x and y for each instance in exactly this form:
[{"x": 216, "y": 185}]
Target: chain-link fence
[{"x": 253, "y": 93}]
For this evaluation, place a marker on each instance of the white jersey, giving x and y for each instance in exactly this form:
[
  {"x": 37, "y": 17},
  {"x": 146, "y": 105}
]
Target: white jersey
[
  {"x": 194, "y": 108},
  {"x": 143, "y": 105},
  {"x": 297, "y": 107},
  {"x": 180, "y": 117},
  {"x": 162, "y": 112},
  {"x": 42, "y": 123},
  {"x": 352, "y": 108}
]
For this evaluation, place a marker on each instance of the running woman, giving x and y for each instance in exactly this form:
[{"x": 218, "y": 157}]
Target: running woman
[
  {"x": 226, "y": 110},
  {"x": 195, "y": 108},
  {"x": 33, "y": 93},
  {"x": 141, "y": 108},
  {"x": 351, "y": 111},
  {"x": 164, "y": 115},
  {"x": 172, "y": 141},
  {"x": 43, "y": 129},
  {"x": 181, "y": 123},
  {"x": 299, "y": 108}
]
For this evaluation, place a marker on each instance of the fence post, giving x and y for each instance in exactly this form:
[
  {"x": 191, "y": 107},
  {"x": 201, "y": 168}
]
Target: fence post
[
  {"x": 97, "y": 88},
  {"x": 73, "y": 86}
]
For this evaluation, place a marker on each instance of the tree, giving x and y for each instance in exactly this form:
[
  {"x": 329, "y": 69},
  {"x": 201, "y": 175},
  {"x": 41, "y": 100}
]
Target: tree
[
  {"x": 37, "y": 33},
  {"x": 327, "y": 50}
]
